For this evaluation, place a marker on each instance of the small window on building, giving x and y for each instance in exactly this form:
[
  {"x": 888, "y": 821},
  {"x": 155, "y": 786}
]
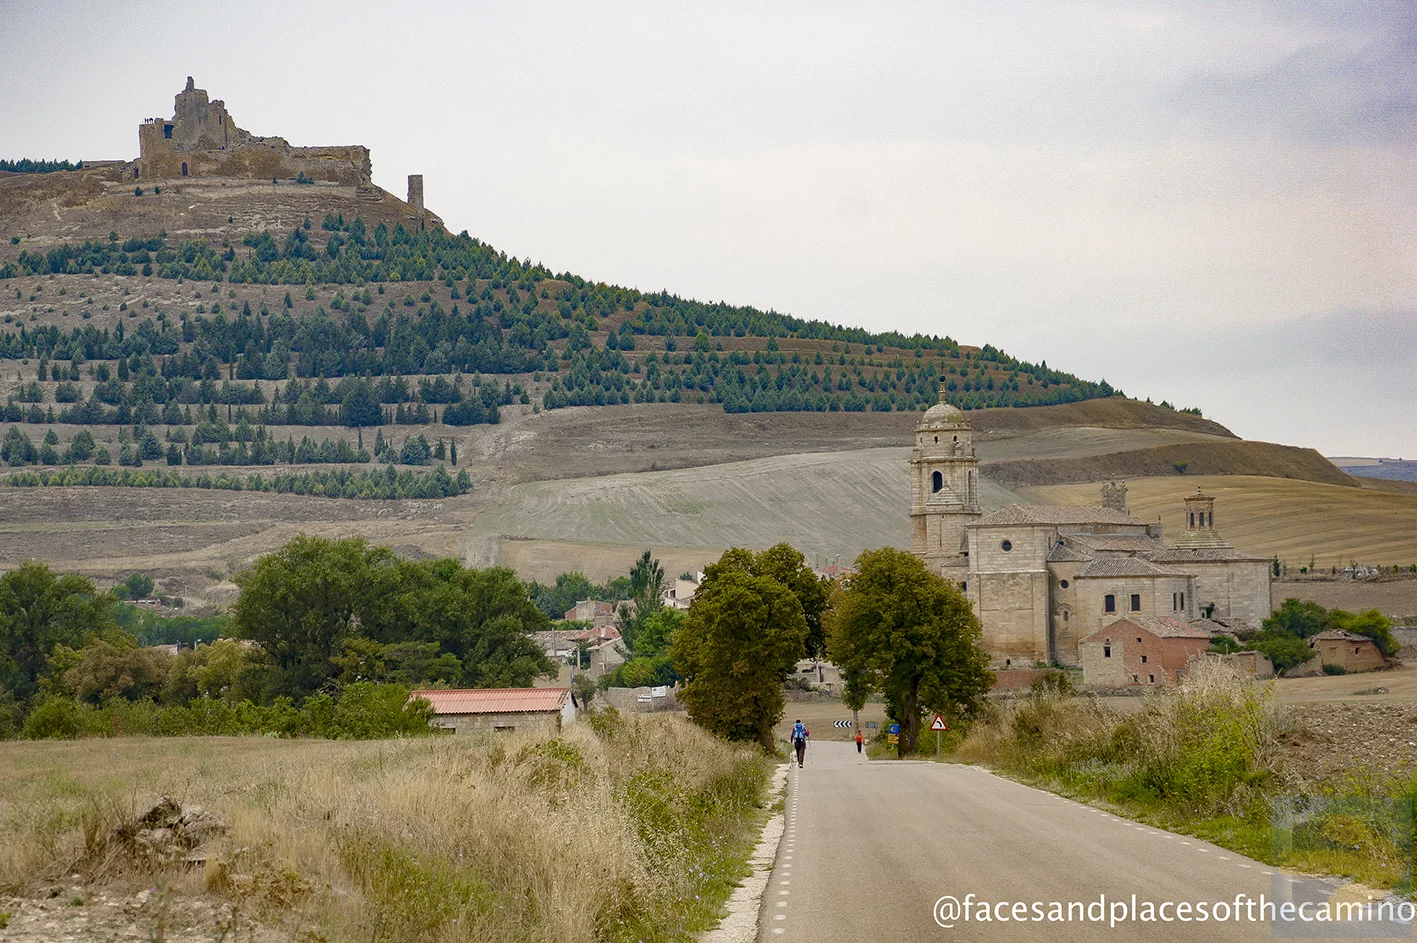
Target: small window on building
[
  {"x": 1143, "y": 659},
  {"x": 184, "y": 168},
  {"x": 1107, "y": 649},
  {"x": 937, "y": 440},
  {"x": 1136, "y": 602},
  {"x": 1065, "y": 615},
  {"x": 1063, "y": 584},
  {"x": 1357, "y": 650},
  {"x": 1006, "y": 546},
  {"x": 504, "y": 728},
  {"x": 937, "y": 481},
  {"x": 1151, "y": 679},
  {"x": 1109, "y": 603},
  {"x": 167, "y": 130},
  {"x": 1183, "y": 600},
  {"x": 964, "y": 587}
]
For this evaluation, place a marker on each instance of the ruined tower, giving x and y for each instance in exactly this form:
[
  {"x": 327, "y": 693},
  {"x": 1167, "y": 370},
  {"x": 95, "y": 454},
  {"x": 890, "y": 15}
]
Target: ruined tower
[
  {"x": 415, "y": 193},
  {"x": 1114, "y": 496},
  {"x": 944, "y": 479}
]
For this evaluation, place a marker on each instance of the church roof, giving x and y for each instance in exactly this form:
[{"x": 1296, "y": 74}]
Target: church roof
[
  {"x": 1115, "y": 543},
  {"x": 1062, "y": 514},
  {"x": 1125, "y": 566},
  {"x": 1204, "y": 555},
  {"x": 1160, "y": 626},
  {"x": 1063, "y": 553}
]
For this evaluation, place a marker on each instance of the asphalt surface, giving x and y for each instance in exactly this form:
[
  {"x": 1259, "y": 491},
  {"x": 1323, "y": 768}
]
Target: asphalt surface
[{"x": 870, "y": 847}]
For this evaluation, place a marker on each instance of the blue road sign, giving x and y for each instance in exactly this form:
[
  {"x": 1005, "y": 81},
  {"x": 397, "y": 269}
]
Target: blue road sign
[{"x": 894, "y": 728}]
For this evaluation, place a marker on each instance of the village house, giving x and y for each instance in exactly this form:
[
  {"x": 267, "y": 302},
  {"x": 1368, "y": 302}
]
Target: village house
[
  {"x": 680, "y": 593},
  {"x": 1347, "y": 651},
  {"x": 539, "y": 710},
  {"x": 1141, "y": 651}
]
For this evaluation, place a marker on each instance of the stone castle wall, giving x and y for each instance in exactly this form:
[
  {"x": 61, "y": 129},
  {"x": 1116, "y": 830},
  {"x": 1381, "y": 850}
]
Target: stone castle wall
[{"x": 202, "y": 140}]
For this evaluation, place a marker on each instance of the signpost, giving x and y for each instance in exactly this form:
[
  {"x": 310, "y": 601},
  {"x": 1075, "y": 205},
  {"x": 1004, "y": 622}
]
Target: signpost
[
  {"x": 893, "y": 734},
  {"x": 938, "y": 725}
]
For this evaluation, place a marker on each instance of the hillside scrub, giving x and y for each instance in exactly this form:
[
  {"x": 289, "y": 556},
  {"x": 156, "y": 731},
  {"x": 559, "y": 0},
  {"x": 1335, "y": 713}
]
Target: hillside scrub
[
  {"x": 622, "y": 829},
  {"x": 467, "y": 308}
]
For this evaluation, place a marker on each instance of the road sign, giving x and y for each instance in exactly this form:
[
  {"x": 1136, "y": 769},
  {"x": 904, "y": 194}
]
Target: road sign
[
  {"x": 871, "y": 725},
  {"x": 892, "y": 739},
  {"x": 938, "y": 723},
  {"x": 842, "y": 723},
  {"x": 893, "y": 730}
]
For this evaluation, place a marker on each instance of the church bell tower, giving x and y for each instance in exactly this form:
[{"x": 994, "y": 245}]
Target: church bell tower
[{"x": 944, "y": 477}]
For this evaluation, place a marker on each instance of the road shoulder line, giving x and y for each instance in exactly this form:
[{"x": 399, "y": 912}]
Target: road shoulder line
[{"x": 740, "y": 924}]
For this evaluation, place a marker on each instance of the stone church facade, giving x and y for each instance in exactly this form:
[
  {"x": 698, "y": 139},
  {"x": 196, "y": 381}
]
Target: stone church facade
[{"x": 1043, "y": 577}]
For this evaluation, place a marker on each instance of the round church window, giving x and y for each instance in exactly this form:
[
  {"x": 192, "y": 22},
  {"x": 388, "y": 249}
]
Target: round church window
[
  {"x": 1063, "y": 583},
  {"x": 1007, "y": 546}
]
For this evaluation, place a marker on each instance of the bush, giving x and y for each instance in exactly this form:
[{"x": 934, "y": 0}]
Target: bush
[
  {"x": 56, "y": 718},
  {"x": 1332, "y": 669}
]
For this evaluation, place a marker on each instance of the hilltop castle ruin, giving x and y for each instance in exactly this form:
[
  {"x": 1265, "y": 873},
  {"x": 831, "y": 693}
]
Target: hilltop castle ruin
[{"x": 202, "y": 140}]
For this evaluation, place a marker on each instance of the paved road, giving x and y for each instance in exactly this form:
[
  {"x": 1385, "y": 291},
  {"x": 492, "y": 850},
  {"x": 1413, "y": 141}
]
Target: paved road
[{"x": 870, "y": 847}]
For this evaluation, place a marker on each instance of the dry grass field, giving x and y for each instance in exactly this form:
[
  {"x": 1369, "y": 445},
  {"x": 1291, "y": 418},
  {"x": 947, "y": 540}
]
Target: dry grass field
[
  {"x": 1294, "y": 520},
  {"x": 638, "y": 832}
]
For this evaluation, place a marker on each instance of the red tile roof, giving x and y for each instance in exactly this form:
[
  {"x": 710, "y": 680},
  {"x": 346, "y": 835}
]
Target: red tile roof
[{"x": 495, "y": 700}]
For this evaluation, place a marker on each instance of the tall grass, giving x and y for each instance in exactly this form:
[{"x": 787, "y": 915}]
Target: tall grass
[
  {"x": 627, "y": 829},
  {"x": 1205, "y": 748}
]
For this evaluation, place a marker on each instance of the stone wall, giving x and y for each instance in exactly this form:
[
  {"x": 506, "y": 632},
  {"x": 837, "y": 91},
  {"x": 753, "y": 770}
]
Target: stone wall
[
  {"x": 202, "y": 140},
  {"x": 1239, "y": 589}
]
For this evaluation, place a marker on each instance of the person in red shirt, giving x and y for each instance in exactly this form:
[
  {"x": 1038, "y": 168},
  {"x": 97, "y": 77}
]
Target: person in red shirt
[{"x": 858, "y": 741}]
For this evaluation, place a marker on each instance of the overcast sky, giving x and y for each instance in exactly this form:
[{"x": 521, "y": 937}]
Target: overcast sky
[{"x": 1213, "y": 203}]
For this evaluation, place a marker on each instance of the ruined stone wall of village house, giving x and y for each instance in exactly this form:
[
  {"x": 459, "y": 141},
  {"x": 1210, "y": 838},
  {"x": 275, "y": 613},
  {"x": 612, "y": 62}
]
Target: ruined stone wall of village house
[
  {"x": 1156, "y": 599},
  {"x": 1353, "y": 656},
  {"x": 1177, "y": 654},
  {"x": 1240, "y": 590}
]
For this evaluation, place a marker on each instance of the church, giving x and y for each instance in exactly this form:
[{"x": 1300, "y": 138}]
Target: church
[{"x": 1042, "y": 578}]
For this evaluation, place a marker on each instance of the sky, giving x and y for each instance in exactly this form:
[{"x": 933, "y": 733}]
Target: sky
[{"x": 1210, "y": 203}]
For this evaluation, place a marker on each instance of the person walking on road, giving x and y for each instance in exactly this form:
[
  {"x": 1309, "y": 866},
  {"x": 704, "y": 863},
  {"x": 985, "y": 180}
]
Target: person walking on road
[
  {"x": 799, "y": 741},
  {"x": 859, "y": 741}
]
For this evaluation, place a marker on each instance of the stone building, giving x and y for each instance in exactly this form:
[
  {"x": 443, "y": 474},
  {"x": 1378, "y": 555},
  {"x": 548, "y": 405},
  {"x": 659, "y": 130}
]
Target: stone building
[
  {"x": 202, "y": 140},
  {"x": 540, "y": 710},
  {"x": 1347, "y": 651},
  {"x": 1043, "y": 577},
  {"x": 1141, "y": 651}
]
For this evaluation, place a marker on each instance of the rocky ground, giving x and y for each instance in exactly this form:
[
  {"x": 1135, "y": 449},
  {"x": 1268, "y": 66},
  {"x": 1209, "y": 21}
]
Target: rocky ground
[
  {"x": 1330, "y": 741},
  {"x": 71, "y": 913}
]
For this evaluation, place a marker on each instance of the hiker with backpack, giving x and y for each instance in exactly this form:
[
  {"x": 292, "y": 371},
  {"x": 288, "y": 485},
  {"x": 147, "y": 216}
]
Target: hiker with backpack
[{"x": 800, "y": 733}]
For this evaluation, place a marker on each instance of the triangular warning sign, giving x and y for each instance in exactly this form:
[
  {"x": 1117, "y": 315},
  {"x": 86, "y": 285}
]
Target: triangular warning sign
[{"x": 938, "y": 723}]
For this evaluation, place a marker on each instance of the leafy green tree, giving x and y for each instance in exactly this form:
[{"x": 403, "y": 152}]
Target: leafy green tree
[
  {"x": 570, "y": 588},
  {"x": 1296, "y": 618},
  {"x": 647, "y": 594},
  {"x": 298, "y": 605},
  {"x": 483, "y": 617},
  {"x": 139, "y": 586},
  {"x": 409, "y": 663},
  {"x": 911, "y": 635},
  {"x": 1371, "y": 623},
  {"x": 1283, "y": 651},
  {"x": 744, "y": 634},
  {"x": 40, "y": 611},
  {"x": 658, "y": 631},
  {"x": 108, "y": 671}
]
